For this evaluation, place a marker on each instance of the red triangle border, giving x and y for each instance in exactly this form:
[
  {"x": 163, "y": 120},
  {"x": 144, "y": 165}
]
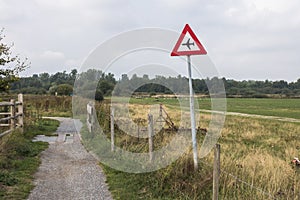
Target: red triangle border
[{"x": 175, "y": 51}]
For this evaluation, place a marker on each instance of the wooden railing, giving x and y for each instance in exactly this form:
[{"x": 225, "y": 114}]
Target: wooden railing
[{"x": 13, "y": 117}]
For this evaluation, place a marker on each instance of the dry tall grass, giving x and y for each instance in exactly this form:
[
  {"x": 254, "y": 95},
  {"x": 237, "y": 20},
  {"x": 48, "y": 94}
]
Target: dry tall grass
[{"x": 255, "y": 151}]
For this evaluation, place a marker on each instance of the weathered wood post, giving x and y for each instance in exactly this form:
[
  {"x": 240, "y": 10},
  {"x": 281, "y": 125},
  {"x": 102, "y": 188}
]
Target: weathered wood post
[
  {"x": 216, "y": 173},
  {"x": 138, "y": 129},
  {"x": 13, "y": 114},
  {"x": 112, "y": 128},
  {"x": 90, "y": 116},
  {"x": 20, "y": 110},
  {"x": 150, "y": 131}
]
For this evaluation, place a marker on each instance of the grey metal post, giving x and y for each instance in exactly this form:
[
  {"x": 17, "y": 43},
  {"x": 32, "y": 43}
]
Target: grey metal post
[
  {"x": 150, "y": 131},
  {"x": 192, "y": 112},
  {"x": 112, "y": 128},
  {"x": 216, "y": 173}
]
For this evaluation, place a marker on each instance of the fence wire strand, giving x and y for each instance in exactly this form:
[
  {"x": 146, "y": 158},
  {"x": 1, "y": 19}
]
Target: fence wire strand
[{"x": 242, "y": 181}]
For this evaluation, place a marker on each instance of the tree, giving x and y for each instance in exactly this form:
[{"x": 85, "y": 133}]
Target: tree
[
  {"x": 62, "y": 89},
  {"x": 10, "y": 65}
]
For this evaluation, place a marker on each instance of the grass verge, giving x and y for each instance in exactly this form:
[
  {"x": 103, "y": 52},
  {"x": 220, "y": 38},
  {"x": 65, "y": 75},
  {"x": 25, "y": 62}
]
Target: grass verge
[{"x": 19, "y": 158}]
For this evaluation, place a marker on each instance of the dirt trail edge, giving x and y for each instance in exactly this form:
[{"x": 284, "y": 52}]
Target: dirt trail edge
[{"x": 67, "y": 170}]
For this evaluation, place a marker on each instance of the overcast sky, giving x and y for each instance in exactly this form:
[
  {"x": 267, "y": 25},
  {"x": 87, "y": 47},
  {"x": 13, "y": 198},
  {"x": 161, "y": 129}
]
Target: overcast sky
[{"x": 246, "y": 39}]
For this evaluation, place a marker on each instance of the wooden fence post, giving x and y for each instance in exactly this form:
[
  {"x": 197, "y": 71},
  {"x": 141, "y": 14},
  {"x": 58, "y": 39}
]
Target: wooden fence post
[
  {"x": 13, "y": 114},
  {"x": 150, "y": 131},
  {"x": 90, "y": 116},
  {"x": 20, "y": 110},
  {"x": 112, "y": 128},
  {"x": 216, "y": 173}
]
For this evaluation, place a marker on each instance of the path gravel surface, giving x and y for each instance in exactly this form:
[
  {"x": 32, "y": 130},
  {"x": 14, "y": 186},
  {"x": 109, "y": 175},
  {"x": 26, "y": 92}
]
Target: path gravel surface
[{"x": 67, "y": 170}]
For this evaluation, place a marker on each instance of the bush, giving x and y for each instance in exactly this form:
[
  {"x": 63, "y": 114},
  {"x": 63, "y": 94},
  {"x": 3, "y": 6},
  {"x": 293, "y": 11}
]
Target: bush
[
  {"x": 62, "y": 89},
  {"x": 17, "y": 145},
  {"x": 98, "y": 95}
]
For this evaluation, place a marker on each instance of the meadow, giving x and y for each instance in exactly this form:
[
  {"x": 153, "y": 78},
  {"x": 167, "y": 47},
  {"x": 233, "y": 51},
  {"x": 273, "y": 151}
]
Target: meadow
[
  {"x": 289, "y": 108},
  {"x": 256, "y": 154}
]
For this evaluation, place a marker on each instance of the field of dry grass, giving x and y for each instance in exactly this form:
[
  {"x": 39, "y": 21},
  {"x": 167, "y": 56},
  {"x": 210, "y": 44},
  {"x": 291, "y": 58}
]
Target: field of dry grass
[{"x": 256, "y": 154}]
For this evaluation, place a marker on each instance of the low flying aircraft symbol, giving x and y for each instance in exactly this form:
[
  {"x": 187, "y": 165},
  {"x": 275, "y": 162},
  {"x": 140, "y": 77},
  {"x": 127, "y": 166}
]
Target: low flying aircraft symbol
[{"x": 188, "y": 44}]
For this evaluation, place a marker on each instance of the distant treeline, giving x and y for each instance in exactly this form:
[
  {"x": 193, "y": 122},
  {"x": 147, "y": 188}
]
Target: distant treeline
[{"x": 61, "y": 83}]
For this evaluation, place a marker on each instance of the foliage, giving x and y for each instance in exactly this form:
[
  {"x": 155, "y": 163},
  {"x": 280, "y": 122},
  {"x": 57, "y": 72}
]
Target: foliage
[
  {"x": 62, "y": 89},
  {"x": 48, "y": 105},
  {"x": 60, "y": 82},
  {"x": 10, "y": 65},
  {"x": 95, "y": 82},
  {"x": 179, "y": 85}
]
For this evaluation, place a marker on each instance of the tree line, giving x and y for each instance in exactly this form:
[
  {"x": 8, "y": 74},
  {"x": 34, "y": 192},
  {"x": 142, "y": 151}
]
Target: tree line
[{"x": 95, "y": 82}]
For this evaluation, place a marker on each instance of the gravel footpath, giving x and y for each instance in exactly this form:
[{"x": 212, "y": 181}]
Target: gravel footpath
[{"x": 67, "y": 170}]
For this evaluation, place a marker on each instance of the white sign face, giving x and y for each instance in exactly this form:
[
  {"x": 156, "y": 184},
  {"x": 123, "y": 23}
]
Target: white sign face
[{"x": 188, "y": 44}]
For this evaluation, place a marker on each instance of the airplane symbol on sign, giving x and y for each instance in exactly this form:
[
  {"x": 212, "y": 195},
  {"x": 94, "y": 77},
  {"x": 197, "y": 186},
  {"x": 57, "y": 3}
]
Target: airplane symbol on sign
[{"x": 188, "y": 44}]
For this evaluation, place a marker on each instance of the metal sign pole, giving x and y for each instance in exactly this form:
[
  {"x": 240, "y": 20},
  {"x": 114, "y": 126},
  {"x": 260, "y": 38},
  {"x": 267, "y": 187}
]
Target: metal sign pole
[{"x": 192, "y": 112}]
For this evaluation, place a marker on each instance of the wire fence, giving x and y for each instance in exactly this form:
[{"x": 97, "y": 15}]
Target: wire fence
[
  {"x": 252, "y": 186},
  {"x": 263, "y": 192}
]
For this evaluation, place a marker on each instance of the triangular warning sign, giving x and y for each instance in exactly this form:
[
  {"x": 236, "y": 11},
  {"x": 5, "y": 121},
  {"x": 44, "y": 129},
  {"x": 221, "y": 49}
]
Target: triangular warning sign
[{"x": 188, "y": 44}]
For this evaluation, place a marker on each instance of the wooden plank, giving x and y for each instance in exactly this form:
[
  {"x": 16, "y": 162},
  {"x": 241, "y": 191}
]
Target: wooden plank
[
  {"x": 10, "y": 117},
  {"x": 6, "y": 118},
  {"x": 6, "y": 113},
  {"x": 5, "y": 132},
  {"x": 4, "y": 125},
  {"x": 4, "y": 103}
]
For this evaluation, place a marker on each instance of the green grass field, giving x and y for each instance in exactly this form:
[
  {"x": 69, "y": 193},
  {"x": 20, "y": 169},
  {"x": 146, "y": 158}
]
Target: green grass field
[{"x": 270, "y": 107}]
